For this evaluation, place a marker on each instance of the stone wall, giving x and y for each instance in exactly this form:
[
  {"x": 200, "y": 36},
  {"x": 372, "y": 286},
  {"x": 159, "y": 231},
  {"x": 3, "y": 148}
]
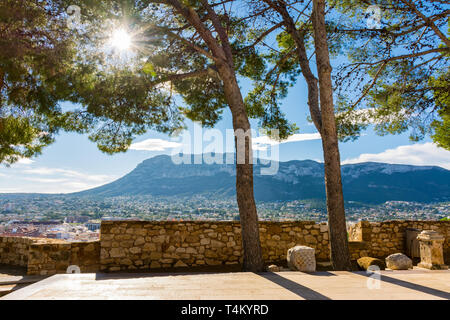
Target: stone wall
[
  {"x": 384, "y": 238},
  {"x": 14, "y": 251},
  {"x": 131, "y": 245},
  {"x": 140, "y": 245},
  {"x": 46, "y": 259},
  {"x": 358, "y": 249},
  {"x": 86, "y": 255},
  {"x": 49, "y": 256}
]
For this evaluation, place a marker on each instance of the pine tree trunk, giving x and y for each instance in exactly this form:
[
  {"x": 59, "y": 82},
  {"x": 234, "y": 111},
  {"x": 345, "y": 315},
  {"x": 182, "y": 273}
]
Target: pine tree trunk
[
  {"x": 222, "y": 54},
  {"x": 340, "y": 257},
  {"x": 244, "y": 176}
]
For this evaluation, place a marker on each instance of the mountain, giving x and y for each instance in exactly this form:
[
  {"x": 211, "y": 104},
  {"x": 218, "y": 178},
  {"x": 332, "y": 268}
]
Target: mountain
[{"x": 367, "y": 182}]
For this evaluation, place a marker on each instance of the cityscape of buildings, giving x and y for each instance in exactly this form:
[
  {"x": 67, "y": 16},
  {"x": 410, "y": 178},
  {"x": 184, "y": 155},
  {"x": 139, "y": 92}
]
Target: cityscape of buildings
[
  {"x": 78, "y": 219},
  {"x": 73, "y": 232}
]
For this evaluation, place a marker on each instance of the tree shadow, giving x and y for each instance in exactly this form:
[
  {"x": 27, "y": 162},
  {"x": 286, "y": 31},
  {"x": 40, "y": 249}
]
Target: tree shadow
[
  {"x": 133, "y": 275},
  {"x": 8, "y": 270},
  {"x": 323, "y": 274},
  {"x": 300, "y": 290},
  {"x": 410, "y": 285},
  {"x": 158, "y": 272}
]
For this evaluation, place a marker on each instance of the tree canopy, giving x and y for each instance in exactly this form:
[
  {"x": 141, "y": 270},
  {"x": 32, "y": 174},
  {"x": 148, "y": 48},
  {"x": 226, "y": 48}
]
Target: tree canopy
[
  {"x": 171, "y": 74},
  {"x": 36, "y": 48},
  {"x": 395, "y": 76},
  {"x": 397, "y": 73}
]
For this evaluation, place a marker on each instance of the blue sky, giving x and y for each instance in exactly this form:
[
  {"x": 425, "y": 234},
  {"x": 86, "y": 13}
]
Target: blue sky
[{"x": 74, "y": 163}]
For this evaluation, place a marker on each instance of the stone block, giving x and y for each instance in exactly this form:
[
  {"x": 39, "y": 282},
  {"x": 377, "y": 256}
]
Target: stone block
[
  {"x": 180, "y": 263},
  {"x": 365, "y": 262},
  {"x": 398, "y": 261},
  {"x": 431, "y": 250},
  {"x": 301, "y": 258},
  {"x": 273, "y": 268}
]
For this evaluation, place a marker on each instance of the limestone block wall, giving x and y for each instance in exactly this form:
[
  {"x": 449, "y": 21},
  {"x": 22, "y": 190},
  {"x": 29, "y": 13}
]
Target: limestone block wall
[
  {"x": 49, "y": 256},
  {"x": 388, "y": 237},
  {"x": 358, "y": 249},
  {"x": 47, "y": 259},
  {"x": 14, "y": 250},
  {"x": 131, "y": 245},
  {"x": 86, "y": 255},
  {"x": 137, "y": 245}
]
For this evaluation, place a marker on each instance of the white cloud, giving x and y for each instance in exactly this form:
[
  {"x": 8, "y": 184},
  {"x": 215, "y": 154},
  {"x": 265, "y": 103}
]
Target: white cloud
[
  {"x": 10, "y": 190},
  {"x": 45, "y": 180},
  {"x": 261, "y": 142},
  {"x": 154, "y": 145},
  {"x": 49, "y": 180},
  {"x": 24, "y": 161},
  {"x": 426, "y": 154},
  {"x": 65, "y": 173},
  {"x": 20, "y": 163}
]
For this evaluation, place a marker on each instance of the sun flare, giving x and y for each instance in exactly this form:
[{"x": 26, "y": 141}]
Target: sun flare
[{"x": 121, "y": 39}]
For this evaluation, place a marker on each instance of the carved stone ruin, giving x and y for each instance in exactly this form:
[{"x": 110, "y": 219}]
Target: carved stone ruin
[{"x": 431, "y": 252}]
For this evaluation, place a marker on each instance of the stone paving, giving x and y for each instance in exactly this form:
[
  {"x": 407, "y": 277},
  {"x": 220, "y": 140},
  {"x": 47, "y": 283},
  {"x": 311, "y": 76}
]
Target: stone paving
[{"x": 410, "y": 284}]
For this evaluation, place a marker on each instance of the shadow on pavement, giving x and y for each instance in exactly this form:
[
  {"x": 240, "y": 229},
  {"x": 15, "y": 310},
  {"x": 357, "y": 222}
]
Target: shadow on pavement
[
  {"x": 7, "y": 270},
  {"x": 410, "y": 285},
  {"x": 158, "y": 272},
  {"x": 302, "y": 291},
  {"x": 323, "y": 274}
]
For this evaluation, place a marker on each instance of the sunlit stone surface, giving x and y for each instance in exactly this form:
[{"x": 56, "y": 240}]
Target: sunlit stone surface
[
  {"x": 301, "y": 258},
  {"x": 431, "y": 252}
]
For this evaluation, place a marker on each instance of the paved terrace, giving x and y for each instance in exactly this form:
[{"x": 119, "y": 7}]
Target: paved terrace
[{"x": 411, "y": 284}]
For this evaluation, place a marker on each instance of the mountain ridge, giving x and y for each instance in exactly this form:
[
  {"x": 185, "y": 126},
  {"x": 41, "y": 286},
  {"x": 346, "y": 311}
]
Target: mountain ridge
[{"x": 368, "y": 182}]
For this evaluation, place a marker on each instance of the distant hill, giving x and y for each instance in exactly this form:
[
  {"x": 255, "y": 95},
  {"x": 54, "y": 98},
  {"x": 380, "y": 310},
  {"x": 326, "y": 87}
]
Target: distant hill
[{"x": 368, "y": 182}]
